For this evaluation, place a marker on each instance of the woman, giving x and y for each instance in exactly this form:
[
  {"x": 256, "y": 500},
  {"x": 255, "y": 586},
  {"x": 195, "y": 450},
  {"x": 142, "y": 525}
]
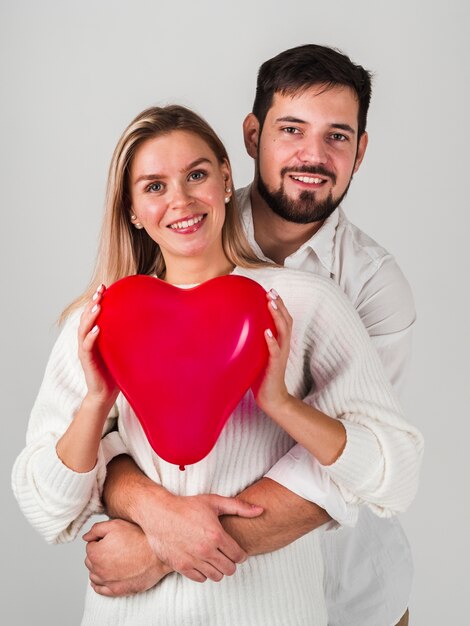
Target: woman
[{"x": 171, "y": 213}]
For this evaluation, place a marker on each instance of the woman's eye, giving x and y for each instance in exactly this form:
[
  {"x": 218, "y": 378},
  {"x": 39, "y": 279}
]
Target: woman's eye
[
  {"x": 154, "y": 187},
  {"x": 199, "y": 175}
]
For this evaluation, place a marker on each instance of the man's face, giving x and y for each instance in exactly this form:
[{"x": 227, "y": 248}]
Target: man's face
[{"x": 308, "y": 151}]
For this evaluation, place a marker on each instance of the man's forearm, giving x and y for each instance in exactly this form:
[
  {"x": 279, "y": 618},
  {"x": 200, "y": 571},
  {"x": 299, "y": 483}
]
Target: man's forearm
[
  {"x": 124, "y": 489},
  {"x": 286, "y": 517}
]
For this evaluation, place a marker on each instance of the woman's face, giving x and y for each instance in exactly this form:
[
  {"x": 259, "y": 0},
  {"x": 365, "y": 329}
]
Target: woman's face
[{"x": 178, "y": 194}]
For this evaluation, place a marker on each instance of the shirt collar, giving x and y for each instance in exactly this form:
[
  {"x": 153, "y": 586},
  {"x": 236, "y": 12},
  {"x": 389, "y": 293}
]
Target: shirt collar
[{"x": 321, "y": 244}]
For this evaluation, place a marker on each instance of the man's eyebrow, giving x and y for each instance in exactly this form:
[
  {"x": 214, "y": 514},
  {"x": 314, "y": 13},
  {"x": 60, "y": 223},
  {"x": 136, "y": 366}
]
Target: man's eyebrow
[
  {"x": 289, "y": 118},
  {"x": 148, "y": 177},
  {"x": 345, "y": 127},
  {"x": 297, "y": 120}
]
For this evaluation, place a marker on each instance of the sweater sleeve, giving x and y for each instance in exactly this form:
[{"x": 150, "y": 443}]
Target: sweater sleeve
[
  {"x": 380, "y": 463},
  {"x": 56, "y": 500}
]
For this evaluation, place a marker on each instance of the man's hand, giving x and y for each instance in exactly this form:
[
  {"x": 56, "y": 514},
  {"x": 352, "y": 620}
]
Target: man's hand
[
  {"x": 131, "y": 495},
  {"x": 186, "y": 534},
  {"x": 120, "y": 559}
]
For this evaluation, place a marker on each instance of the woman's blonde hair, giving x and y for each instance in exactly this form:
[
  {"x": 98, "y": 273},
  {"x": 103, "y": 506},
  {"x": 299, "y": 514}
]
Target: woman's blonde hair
[{"x": 125, "y": 250}]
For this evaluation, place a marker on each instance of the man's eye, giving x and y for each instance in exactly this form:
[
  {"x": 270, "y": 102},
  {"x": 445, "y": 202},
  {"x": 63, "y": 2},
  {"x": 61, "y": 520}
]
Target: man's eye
[
  {"x": 339, "y": 137},
  {"x": 154, "y": 187},
  {"x": 291, "y": 130}
]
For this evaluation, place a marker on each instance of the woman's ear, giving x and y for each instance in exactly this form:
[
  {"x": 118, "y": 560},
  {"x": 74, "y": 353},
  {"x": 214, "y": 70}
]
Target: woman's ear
[
  {"x": 251, "y": 134},
  {"x": 227, "y": 176},
  {"x": 134, "y": 220}
]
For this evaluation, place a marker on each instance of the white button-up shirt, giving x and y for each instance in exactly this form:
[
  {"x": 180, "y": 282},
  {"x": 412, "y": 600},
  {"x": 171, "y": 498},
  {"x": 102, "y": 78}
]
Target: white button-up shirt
[{"x": 368, "y": 568}]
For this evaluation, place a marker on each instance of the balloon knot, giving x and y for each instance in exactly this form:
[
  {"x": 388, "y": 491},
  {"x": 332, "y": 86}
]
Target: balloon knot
[{"x": 182, "y": 468}]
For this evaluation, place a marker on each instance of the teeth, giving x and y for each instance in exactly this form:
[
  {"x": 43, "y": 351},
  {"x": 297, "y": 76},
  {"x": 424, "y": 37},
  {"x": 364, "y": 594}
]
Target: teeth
[
  {"x": 186, "y": 223},
  {"x": 308, "y": 179}
]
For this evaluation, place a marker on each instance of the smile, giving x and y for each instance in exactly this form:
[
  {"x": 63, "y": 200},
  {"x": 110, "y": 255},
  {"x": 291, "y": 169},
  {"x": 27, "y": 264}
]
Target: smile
[
  {"x": 186, "y": 223},
  {"x": 310, "y": 180}
]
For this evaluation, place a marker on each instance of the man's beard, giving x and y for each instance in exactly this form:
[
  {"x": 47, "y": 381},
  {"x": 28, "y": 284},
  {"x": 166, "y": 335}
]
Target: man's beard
[{"x": 306, "y": 209}]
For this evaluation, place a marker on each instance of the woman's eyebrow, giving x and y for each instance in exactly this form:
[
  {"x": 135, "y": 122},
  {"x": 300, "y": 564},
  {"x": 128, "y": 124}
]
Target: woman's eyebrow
[
  {"x": 196, "y": 163},
  {"x": 156, "y": 176}
]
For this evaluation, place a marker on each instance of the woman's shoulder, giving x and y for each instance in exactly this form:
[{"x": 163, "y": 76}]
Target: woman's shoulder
[
  {"x": 315, "y": 302},
  {"x": 70, "y": 324},
  {"x": 67, "y": 341},
  {"x": 298, "y": 283}
]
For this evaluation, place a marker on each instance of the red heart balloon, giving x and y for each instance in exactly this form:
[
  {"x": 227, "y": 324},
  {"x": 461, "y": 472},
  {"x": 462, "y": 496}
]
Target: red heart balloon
[{"x": 184, "y": 358}]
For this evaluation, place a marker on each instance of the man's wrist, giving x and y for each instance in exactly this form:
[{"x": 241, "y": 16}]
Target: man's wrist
[
  {"x": 161, "y": 569},
  {"x": 146, "y": 502}
]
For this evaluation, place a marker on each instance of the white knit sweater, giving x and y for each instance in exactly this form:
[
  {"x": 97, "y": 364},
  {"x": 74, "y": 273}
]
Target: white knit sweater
[{"x": 333, "y": 366}]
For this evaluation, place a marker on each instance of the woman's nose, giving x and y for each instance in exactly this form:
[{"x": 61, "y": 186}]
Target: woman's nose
[{"x": 180, "y": 197}]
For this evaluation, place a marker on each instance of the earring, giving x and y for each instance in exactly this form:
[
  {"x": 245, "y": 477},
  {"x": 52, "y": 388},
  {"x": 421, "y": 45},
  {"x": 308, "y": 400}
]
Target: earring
[
  {"x": 227, "y": 198},
  {"x": 138, "y": 225}
]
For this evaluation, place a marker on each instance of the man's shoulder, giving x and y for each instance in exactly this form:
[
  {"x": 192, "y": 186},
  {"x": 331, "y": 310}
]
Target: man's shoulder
[
  {"x": 350, "y": 238},
  {"x": 360, "y": 260},
  {"x": 243, "y": 198},
  {"x": 370, "y": 276}
]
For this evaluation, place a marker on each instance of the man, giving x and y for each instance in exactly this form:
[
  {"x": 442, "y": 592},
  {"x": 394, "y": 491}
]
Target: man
[{"x": 307, "y": 136}]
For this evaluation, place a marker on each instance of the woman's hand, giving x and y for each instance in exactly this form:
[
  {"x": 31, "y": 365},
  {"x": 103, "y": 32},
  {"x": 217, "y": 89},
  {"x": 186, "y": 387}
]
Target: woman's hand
[
  {"x": 270, "y": 389},
  {"x": 102, "y": 390},
  {"x": 78, "y": 446}
]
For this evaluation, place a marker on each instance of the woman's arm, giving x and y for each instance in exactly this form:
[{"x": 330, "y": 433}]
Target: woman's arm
[
  {"x": 58, "y": 476},
  {"x": 323, "y": 436},
  {"x": 367, "y": 448},
  {"x": 78, "y": 446}
]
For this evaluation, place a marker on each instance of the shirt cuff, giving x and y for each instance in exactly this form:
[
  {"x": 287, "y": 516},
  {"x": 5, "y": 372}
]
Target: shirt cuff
[
  {"x": 112, "y": 445},
  {"x": 301, "y": 473}
]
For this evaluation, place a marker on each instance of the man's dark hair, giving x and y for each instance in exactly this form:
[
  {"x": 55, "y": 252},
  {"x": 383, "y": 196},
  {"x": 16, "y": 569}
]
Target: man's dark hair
[{"x": 296, "y": 70}]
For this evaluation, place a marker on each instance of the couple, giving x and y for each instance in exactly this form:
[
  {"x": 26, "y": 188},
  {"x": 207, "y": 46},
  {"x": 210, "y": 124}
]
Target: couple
[{"x": 307, "y": 135}]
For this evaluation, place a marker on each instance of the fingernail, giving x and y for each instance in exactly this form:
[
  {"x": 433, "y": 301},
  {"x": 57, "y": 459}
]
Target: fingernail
[
  {"x": 274, "y": 305},
  {"x": 95, "y": 329},
  {"x": 98, "y": 292},
  {"x": 273, "y": 294},
  {"x": 269, "y": 333},
  {"x": 94, "y": 309}
]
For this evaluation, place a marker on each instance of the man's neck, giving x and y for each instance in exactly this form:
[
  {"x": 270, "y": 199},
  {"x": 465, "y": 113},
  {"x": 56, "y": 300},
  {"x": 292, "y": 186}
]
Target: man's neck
[{"x": 277, "y": 237}]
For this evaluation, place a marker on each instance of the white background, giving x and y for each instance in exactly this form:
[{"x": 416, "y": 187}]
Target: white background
[{"x": 73, "y": 74}]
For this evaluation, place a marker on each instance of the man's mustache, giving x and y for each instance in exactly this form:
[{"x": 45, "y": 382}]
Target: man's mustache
[{"x": 309, "y": 169}]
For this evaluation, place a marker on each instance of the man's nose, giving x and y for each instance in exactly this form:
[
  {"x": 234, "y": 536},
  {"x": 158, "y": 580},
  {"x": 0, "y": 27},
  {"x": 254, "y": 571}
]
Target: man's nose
[{"x": 313, "y": 150}]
